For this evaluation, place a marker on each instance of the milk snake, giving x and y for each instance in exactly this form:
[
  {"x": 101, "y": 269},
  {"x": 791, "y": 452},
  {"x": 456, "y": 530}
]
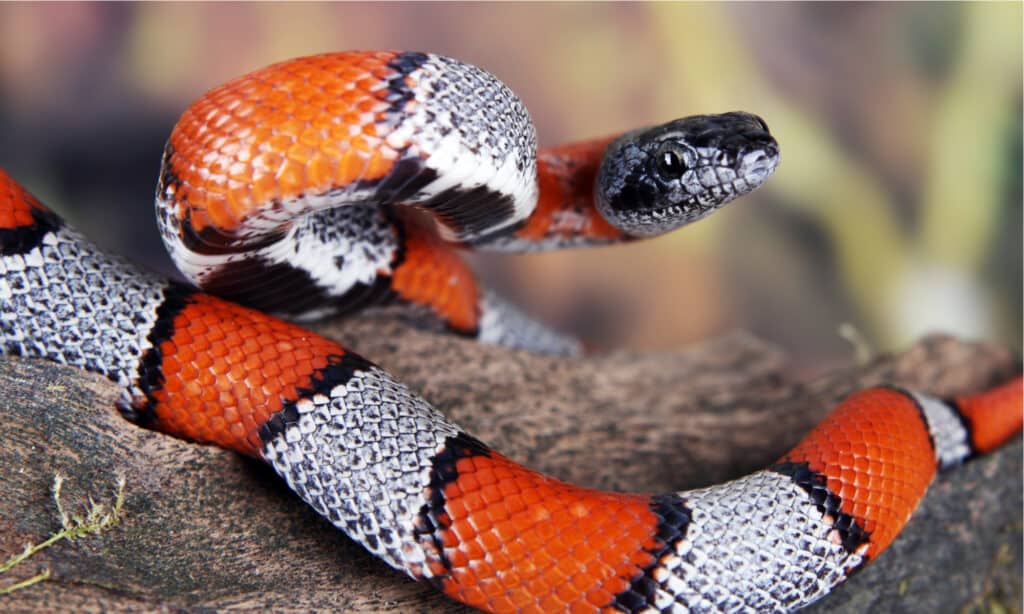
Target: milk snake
[{"x": 343, "y": 181}]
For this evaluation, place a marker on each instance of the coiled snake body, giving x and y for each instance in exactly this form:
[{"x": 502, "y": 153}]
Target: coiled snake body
[{"x": 308, "y": 188}]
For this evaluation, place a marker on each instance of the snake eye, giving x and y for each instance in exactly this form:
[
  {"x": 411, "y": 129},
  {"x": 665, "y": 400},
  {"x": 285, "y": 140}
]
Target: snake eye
[{"x": 670, "y": 160}]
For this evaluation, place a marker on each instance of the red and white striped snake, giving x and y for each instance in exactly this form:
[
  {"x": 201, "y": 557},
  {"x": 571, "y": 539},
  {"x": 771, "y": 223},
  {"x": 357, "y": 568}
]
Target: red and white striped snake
[{"x": 348, "y": 180}]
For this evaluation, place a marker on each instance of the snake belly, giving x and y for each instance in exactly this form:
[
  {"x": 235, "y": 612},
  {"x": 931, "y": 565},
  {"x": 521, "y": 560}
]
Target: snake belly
[{"x": 337, "y": 182}]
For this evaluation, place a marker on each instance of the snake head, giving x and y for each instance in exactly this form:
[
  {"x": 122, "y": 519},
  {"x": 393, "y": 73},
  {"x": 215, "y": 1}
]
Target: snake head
[{"x": 657, "y": 179}]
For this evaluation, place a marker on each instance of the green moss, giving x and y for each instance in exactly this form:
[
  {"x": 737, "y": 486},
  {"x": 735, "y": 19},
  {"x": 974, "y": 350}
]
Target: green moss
[{"x": 98, "y": 517}]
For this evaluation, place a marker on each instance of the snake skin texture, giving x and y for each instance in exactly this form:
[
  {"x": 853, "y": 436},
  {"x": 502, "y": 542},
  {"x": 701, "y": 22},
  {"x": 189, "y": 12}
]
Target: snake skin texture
[{"x": 302, "y": 189}]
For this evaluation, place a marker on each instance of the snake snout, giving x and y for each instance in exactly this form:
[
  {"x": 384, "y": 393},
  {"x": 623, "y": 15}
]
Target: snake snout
[{"x": 757, "y": 165}]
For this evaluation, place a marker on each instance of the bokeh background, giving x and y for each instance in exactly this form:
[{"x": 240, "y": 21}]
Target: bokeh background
[{"x": 896, "y": 209}]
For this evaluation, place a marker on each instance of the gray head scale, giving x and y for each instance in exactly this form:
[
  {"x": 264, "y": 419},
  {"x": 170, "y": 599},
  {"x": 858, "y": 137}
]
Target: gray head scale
[{"x": 656, "y": 179}]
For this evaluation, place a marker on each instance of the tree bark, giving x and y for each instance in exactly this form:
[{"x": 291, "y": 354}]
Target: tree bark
[{"x": 203, "y": 528}]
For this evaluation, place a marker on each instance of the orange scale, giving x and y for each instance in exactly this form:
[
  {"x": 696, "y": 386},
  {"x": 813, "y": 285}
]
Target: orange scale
[
  {"x": 350, "y": 74},
  {"x": 566, "y": 593},
  {"x": 845, "y": 474},
  {"x": 197, "y": 341},
  {"x": 205, "y": 377},
  {"x": 464, "y": 531},
  {"x": 220, "y": 122},
  {"x": 466, "y": 576},
  {"x": 197, "y": 419},
  {"x": 379, "y": 72},
  {"x": 502, "y": 563},
  {"x": 172, "y": 385},
  {"x": 242, "y": 109},
  {"x": 479, "y": 519},
  {"x": 233, "y": 433},
  {"x": 254, "y": 379},
  {"x": 224, "y": 385},
  {"x": 241, "y": 428},
  {"x": 581, "y": 582},
  {"x": 238, "y": 171},
  {"x": 302, "y": 94},
  {"x": 865, "y": 464},
  {"x": 239, "y": 391},
  {"x": 321, "y": 170},
  {"x": 598, "y": 597},
  {"x": 483, "y": 570},
  {"x": 501, "y": 603},
  {"x": 640, "y": 559},
  {"x": 521, "y": 599},
  {"x": 218, "y": 212},
  {"x": 218, "y": 423},
  {"x": 532, "y": 542},
  {"x": 552, "y": 575},
  {"x": 531, "y": 497},
  {"x": 512, "y": 546},
  {"x": 207, "y": 110},
  {"x": 511, "y": 490},
  {"x": 546, "y": 530},
  {"x": 259, "y": 398},
  {"x": 197, "y": 361},
  {"x": 292, "y": 126},
  {"x": 373, "y": 133},
  {"x": 492, "y": 495},
  {"x": 215, "y": 360},
  {"x": 191, "y": 390},
  {"x": 231, "y": 336},
  {"x": 498, "y": 513},
  {"x": 490, "y": 541},
  {"x": 313, "y": 135},
  {"x": 551, "y": 603},
  {"x": 568, "y": 565},
  {"x": 599, "y": 541},
  {"x": 350, "y": 167},
  {"x": 526, "y": 569},
  {"x": 278, "y": 142},
  {"x": 325, "y": 83},
  {"x": 457, "y": 558},
  {"x": 209, "y": 160},
  {"x": 264, "y": 186},
  {"x": 473, "y": 596},
  {"x": 231, "y": 414}
]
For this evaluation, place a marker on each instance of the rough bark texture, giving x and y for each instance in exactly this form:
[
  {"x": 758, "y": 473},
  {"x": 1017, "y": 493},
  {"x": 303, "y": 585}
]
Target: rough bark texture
[{"x": 206, "y": 529}]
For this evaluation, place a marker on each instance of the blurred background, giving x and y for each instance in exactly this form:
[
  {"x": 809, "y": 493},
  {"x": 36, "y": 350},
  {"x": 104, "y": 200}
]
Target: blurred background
[{"x": 896, "y": 209}]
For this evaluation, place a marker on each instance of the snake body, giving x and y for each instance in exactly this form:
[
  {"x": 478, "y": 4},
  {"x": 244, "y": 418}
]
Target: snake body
[{"x": 336, "y": 182}]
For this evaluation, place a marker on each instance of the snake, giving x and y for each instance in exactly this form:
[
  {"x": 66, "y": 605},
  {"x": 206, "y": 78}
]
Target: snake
[{"x": 345, "y": 181}]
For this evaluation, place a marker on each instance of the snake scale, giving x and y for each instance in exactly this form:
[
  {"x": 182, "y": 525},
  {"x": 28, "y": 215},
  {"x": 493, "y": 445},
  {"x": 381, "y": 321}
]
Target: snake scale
[{"x": 331, "y": 183}]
